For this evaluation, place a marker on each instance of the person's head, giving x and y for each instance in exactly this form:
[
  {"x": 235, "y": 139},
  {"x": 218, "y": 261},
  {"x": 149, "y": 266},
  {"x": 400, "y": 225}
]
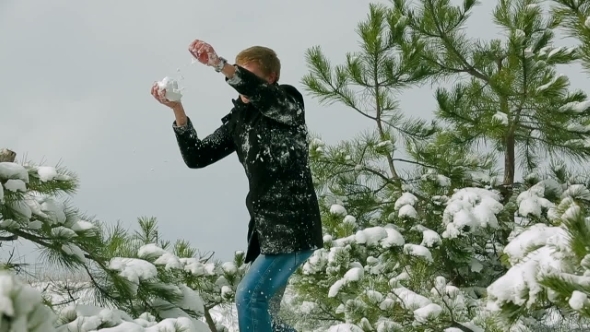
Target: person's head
[{"x": 262, "y": 61}]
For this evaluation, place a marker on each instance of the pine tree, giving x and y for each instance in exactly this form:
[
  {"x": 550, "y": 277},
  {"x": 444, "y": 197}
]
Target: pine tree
[
  {"x": 420, "y": 256},
  {"x": 367, "y": 83},
  {"x": 510, "y": 96},
  {"x": 545, "y": 286},
  {"x": 133, "y": 280},
  {"x": 383, "y": 227},
  {"x": 574, "y": 17}
]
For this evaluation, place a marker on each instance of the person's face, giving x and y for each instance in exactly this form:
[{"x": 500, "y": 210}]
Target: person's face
[{"x": 255, "y": 69}]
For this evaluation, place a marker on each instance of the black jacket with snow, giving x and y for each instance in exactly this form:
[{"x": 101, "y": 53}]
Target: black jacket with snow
[{"x": 269, "y": 135}]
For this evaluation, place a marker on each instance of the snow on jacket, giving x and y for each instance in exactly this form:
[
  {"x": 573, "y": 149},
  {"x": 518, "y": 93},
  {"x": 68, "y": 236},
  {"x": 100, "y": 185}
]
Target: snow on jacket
[{"x": 269, "y": 135}]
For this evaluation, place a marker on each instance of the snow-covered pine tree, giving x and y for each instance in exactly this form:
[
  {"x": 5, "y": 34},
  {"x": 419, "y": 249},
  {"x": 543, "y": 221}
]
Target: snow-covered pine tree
[
  {"x": 548, "y": 272},
  {"x": 135, "y": 281},
  {"x": 386, "y": 265},
  {"x": 367, "y": 84},
  {"x": 201, "y": 282},
  {"x": 418, "y": 252},
  {"x": 545, "y": 288},
  {"x": 509, "y": 96}
]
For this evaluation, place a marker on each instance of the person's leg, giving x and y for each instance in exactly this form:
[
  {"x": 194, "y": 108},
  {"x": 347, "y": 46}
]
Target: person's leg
[
  {"x": 267, "y": 274},
  {"x": 275, "y": 307}
]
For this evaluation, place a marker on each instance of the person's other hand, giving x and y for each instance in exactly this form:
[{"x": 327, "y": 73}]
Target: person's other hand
[
  {"x": 204, "y": 53},
  {"x": 160, "y": 95}
]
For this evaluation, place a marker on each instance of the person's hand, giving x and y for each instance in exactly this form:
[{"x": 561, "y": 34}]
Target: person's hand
[
  {"x": 204, "y": 53},
  {"x": 160, "y": 95}
]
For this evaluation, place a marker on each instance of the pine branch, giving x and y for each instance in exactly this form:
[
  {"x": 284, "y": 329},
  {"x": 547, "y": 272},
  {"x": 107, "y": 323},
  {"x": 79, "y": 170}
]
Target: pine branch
[
  {"x": 414, "y": 162},
  {"x": 449, "y": 46},
  {"x": 9, "y": 238}
]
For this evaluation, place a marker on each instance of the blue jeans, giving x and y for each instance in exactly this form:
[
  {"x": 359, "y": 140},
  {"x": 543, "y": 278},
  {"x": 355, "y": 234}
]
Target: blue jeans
[
  {"x": 275, "y": 307},
  {"x": 267, "y": 275}
]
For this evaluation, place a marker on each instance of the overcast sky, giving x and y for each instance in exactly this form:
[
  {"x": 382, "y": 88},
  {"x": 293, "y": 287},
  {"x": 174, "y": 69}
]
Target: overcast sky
[{"x": 76, "y": 77}]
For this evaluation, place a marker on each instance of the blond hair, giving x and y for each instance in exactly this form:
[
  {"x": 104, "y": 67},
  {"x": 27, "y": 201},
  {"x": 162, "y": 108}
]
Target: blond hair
[{"x": 265, "y": 57}]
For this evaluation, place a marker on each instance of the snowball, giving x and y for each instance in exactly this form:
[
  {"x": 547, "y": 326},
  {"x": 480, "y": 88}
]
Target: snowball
[{"x": 173, "y": 93}]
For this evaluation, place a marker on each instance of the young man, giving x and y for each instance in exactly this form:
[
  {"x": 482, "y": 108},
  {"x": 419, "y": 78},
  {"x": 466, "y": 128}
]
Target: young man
[{"x": 266, "y": 128}]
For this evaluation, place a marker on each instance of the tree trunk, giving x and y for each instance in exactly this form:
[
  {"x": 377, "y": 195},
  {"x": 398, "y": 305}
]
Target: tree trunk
[
  {"x": 209, "y": 320},
  {"x": 378, "y": 117},
  {"x": 509, "y": 166}
]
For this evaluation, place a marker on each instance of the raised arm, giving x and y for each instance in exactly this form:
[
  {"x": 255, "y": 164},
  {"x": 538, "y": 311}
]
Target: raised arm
[
  {"x": 199, "y": 153},
  {"x": 282, "y": 103}
]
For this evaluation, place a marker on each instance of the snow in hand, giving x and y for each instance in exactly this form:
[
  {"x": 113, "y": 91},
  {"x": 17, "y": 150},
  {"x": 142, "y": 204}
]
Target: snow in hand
[{"x": 173, "y": 93}]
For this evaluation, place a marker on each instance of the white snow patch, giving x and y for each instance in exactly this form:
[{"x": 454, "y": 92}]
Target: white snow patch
[
  {"x": 501, "y": 118},
  {"x": 470, "y": 209},
  {"x": 15, "y": 185},
  {"x": 13, "y": 171},
  {"x": 338, "y": 210},
  {"x": 46, "y": 173},
  {"x": 173, "y": 93},
  {"x": 418, "y": 251}
]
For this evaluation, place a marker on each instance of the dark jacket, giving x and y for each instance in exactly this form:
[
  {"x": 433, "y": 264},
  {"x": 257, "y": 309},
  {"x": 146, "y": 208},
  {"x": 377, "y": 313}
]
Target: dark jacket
[{"x": 269, "y": 135}]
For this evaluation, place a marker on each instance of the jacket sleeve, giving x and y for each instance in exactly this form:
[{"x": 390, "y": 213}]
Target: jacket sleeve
[
  {"x": 198, "y": 153},
  {"x": 282, "y": 103}
]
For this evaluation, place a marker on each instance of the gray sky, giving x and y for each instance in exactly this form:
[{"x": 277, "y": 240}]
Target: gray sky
[{"x": 76, "y": 77}]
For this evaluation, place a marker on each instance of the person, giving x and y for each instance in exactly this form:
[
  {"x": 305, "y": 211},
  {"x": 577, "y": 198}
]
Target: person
[{"x": 266, "y": 129}]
